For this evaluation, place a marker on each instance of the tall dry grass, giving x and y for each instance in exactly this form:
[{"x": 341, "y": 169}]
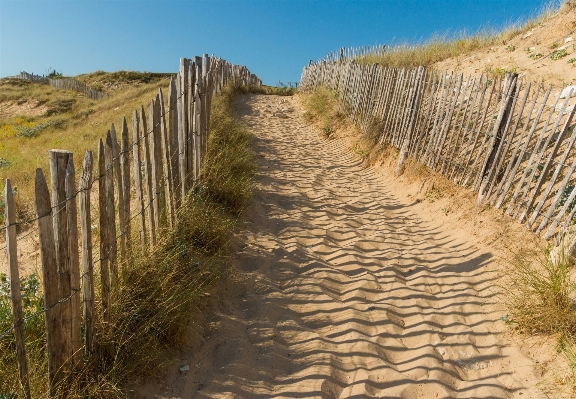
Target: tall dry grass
[{"x": 444, "y": 46}]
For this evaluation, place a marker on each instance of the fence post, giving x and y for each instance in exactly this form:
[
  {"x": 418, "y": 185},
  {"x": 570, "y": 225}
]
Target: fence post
[
  {"x": 120, "y": 190},
  {"x": 87, "y": 265},
  {"x": 155, "y": 159},
  {"x": 194, "y": 99},
  {"x": 167, "y": 179},
  {"x": 125, "y": 164},
  {"x": 138, "y": 179},
  {"x": 112, "y": 247},
  {"x": 183, "y": 106},
  {"x": 196, "y": 118},
  {"x": 148, "y": 175},
  {"x": 498, "y": 132},
  {"x": 49, "y": 281},
  {"x": 14, "y": 276},
  {"x": 103, "y": 219},
  {"x": 414, "y": 110},
  {"x": 174, "y": 145},
  {"x": 72, "y": 216},
  {"x": 58, "y": 164}
]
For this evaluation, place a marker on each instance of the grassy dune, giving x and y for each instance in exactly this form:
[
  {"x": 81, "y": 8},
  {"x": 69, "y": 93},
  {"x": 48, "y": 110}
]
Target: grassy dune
[
  {"x": 444, "y": 46},
  {"x": 70, "y": 121}
]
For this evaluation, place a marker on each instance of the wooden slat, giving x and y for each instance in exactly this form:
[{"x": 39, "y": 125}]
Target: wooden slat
[
  {"x": 104, "y": 232},
  {"x": 444, "y": 88},
  {"x": 125, "y": 165},
  {"x": 454, "y": 139},
  {"x": 477, "y": 169},
  {"x": 112, "y": 246},
  {"x": 548, "y": 166},
  {"x": 58, "y": 163},
  {"x": 136, "y": 159},
  {"x": 182, "y": 127},
  {"x": 155, "y": 159},
  {"x": 166, "y": 165},
  {"x": 464, "y": 128},
  {"x": 520, "y": 157},
  {"x": 445, "y": 136},
  {"x": 144, "y": 134},
  {"x": 439, "y": 123},
  {"x": 498, "y": 191},
  {"x": 393, "y": 106},
  {"x": 476, "y": 132},
  {"x": 196, "y": 121},
  {"x": 423, "y": 133},
  {"x": 74, "y": 254},
  {"x": 54, "y": 335},
  {"x": 471, "y": 134},
  {"x": 84, "y": 187},
  {"x": 567, "y": 204},
  {"x": 174, "y": 144},
  {"x": 556, "y": 202},
  {"x": 117, "y": 174},
  {"x": 537, "y": 154},
  {"x": 15, "y": 295},
  {"x": 404, "y": 111},
  {"x": 498, "y": 136}
]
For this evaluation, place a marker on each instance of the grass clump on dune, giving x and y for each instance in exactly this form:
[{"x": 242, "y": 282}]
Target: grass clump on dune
[
  {"x": 443, "y": 46},
  {"x": 540, "y": 297},
  {"x": 158, "y": 290},
  {"x": 323, "y": 108}
]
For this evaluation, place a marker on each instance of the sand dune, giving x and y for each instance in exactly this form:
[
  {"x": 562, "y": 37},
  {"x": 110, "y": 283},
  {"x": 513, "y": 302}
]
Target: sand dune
[{"x": 348, "y": 294}]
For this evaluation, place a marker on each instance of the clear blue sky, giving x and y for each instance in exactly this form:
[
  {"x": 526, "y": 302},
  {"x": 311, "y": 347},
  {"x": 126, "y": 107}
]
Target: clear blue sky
[{"x": 273, "y": 38}]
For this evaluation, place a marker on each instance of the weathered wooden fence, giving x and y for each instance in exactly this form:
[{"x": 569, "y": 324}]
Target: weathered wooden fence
[
  {"x": 166, "y": 148},
  {"x": 353, "y": 53},
  {"x": 509, "y": 141},
  {"x": 66, "y": 84}
]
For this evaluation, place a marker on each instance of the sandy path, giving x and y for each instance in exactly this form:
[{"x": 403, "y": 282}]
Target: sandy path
[{"x": 348, "y": 294}]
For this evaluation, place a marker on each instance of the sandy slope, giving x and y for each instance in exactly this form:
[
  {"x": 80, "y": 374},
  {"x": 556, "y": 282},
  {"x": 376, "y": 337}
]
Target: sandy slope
[
  {"x": 347, "y": 292},
  {"x": 520, "y": 53}
]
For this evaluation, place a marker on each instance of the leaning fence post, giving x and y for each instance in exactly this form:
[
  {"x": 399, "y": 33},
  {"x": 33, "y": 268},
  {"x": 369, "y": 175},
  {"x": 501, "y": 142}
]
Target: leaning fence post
[
  {"x": 58, "y": 164},
  {"x": 14, "y": 276},
  {"x": 414, "y": 110},
  {"x": 49, "y": 281},
  {"x": 87, "y": 265}
]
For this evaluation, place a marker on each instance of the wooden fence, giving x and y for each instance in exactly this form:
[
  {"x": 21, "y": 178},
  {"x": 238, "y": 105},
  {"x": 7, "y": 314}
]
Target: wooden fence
[
  {"x": 66, "y": 84},
  {"x": 509, "y": 141},
  {"x": 159, "y": 161},
  {"x": 353, "y": 53}
]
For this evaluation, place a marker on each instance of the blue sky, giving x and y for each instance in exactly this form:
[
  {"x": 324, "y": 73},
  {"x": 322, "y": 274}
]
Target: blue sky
[{"x": 273, "y": 38}]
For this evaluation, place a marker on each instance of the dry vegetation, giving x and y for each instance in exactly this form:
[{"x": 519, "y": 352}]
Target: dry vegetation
[{"x": 159, "y": 290}]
